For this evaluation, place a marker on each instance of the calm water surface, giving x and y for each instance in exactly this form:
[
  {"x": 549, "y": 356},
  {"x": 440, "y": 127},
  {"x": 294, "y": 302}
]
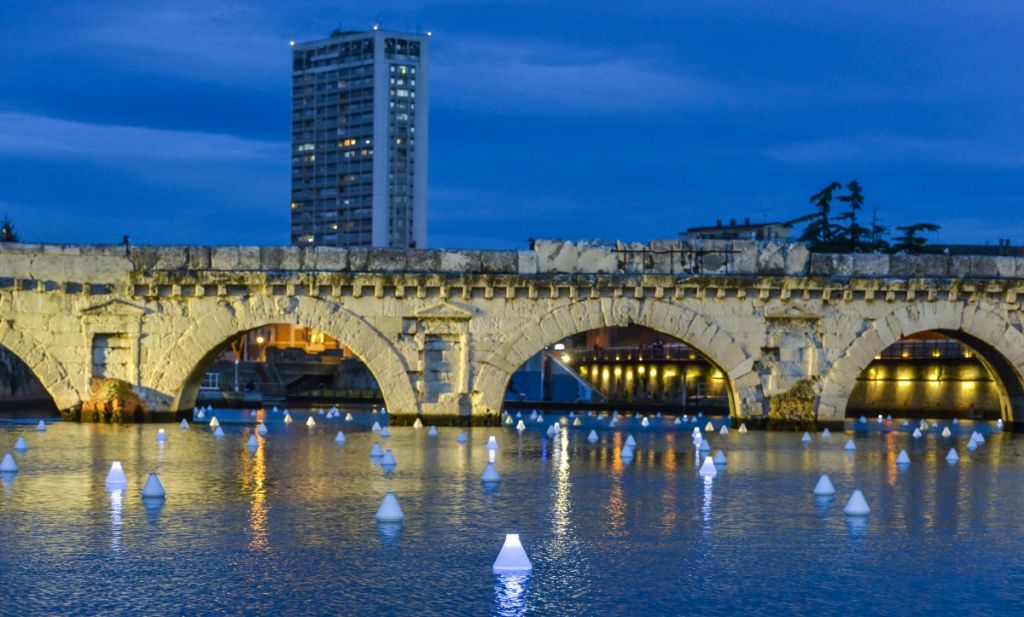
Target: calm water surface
[{"x": 290, "y": 529}]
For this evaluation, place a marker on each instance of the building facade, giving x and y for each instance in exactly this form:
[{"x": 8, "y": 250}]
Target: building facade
[{"x": 359, "y": 140}]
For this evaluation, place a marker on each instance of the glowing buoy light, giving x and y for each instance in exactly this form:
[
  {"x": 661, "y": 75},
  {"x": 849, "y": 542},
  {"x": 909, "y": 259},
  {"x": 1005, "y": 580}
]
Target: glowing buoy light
[
  {"x": 824, "y": 487},
  {"x": 116, "y": 477},
  {"x": 850, "y": 446},
  {"x": 161, "y": 436},
  {"x": 339, "y": 438},
  {"x": 857, "y": 505},
  {"x": 8, "y": 465},
  {"x": 376, "y": 427},
  {"x": 743, "y": 427},
  {"x": 310, "y": 421},
  {"x": 492, "y": 443},
  {"x": 432, "y": 431},
  {"x": 512, "y": 558},
  {"x": 952, "y": 457},
  {"x": 903, "y": 458},
  {"x": 462, "y": 437},
  {"x": 218, "y": 432},
  {"x": 806, "y": 438},
  {"x": 261, "y": 429},
  {"x": 41, "y": 427},
  {"x": 252, "y": 443},
  {"x": 592, "y": 437},
  {"x": 720, "y": 458},
  {"x": 214, "y": 422},
  {"x": 389, "y": 510},
  {"x": 21, "y": 445},
  {"x": 417, "y": 424},
  {"x": 376, "y": 451},
  {"x": 825, "y": 434},
  {"x": 184, "y": 424},
  {"x": 708, "y": 469},
  {"x": 153, "y": 489}
]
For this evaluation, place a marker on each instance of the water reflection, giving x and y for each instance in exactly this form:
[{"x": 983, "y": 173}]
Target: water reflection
[
  {"x": 390, "y": 534},
  {"x": 510, "y": 594},
  {"x": 7, "y": 477},
  {"x": 254, "y": 482},
  {"x": 706, "y": 508},
  {"x": 116, "y": 499}
]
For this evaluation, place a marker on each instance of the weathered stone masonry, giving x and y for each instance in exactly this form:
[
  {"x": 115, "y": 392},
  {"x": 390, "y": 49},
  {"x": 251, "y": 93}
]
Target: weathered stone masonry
[{"x": 443, "y": 330}]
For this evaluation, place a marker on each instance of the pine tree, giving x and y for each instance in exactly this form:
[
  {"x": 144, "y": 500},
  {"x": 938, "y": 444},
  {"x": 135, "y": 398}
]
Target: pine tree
[{"x": 7, "y": 233}]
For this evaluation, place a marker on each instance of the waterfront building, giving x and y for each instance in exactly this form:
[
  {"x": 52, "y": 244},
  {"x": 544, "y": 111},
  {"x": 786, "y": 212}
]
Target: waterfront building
[
  {"x": 737, "y": 231},
  {"x": 359, "y": 140}
]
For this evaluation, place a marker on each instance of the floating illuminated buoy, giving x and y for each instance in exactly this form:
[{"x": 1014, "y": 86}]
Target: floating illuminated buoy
[
  {"x": 825, "y": 434},
  {"x": 824, "y": 487},
  {"x": 704, "y": 446},
  {"x": 677, "y": 421},
  {"x": 508, "y": 420},
  {"x": 627, "y": 453},
  {"x": 389, "y": 510},
  {"x": 512, "y": 558},
  {"x": 310, "y": 421},
  {"x": 533, "y": 414},
  {"x": 161, "y": 436},
  {"x": 116, "y": 477},
  {"x": 384, "y": 432},
  {"x": 201, "y": 415},
  {"x": 218, "y": 432},
  {"x": 388, "y": 460},
  {"x": 252, "y": 414},
  {"x": 275, "y": 410},
  {"x": 462, "y": 437},
  {"x": 917, "y": 433},
  {"x": 743, "y": 427},
  {"x": 979, "y": 438},
  {"x": 862, "y": 420},
  {"x": 879, "y": 418},
  {"x": 955, "y": 421},
  {"x": 972, "y": 445},
  {"x": 577, "y": 422},
  {"x": 252, "y": 443},
  {"x": 521, "y": 426},
  {"x": 903, "y": 458},
  {"x": 709, "y": 426},
  {"x": 41, "y": 427},
  {"x": 288, "y": 417},
  {"x": 708, "y": 469},
  {"x": 999, "y": 423},
  {"x": 417, "y": 424},
  {"x": 592, "y": 437},
  {"x": 724, "y": 430},
  {"x": 492, "y": 443},
  {"x": 376, "y": 427},
  {"x": 319, "y": 412},
  {"x": 540, "y": 418},
  {"x": 924, "y": 425},
  {"x": 645, "y": 423},
  {"x": 348, "y": 417},
  {"x": 21, "y": 445},
  {"x": 8, "y": 465},
  {"x": 946, "y": 432},
  {"x": 490, "y": 474},
  {"x": 720, "y": 458},
  {"x": 806, "y": 438},
  {"x": 850, "y": 446},
  {"x": 952, "y": 457},
  {"x": 432, "y": 431},
  {"x": 630, "y": 441},
  {"x": 339, "y": 438},
  {"x": 153, "y": 489},
  {"x": 184, "y": 424},
  {"x": 214, "y": 422},
  {"x": 376, "y": 451},
  {"x": 857, "y": 505}
]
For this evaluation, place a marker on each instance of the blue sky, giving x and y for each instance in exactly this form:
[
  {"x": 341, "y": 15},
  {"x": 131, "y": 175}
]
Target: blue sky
[{"x": 169, "y": 121}]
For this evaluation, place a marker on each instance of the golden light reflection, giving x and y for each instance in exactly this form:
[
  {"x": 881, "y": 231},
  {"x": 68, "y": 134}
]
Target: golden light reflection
[
  {"x": 254, "y": 482},
  {"x": 616, "y": 506}
]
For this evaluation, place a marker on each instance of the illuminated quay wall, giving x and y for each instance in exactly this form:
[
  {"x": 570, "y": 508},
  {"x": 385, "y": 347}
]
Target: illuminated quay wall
[{"x": 442, "y": 331}]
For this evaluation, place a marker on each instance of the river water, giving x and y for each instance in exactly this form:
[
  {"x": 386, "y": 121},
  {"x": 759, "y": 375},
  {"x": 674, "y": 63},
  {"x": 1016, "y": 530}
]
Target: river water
[{"x": 290, "y": 528}]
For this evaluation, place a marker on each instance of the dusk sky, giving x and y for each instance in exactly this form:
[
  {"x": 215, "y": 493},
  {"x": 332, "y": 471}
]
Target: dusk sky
[{"x": 170, "y": 122}]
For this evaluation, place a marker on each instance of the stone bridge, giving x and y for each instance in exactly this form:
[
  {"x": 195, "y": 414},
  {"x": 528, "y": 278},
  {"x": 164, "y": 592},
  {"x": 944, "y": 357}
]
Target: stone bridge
[{"x": 443, "y": 330}]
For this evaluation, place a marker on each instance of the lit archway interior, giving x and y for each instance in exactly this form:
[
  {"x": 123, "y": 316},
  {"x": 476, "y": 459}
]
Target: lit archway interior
[
  {"x": 937, "y": 374},
  {"x": 620, "y": 367},
  {"x": 21, "y": 392},
  {"x": 281, "y": 364}
]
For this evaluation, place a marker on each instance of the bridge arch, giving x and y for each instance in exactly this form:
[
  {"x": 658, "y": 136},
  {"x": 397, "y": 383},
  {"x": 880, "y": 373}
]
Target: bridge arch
[
  {"x": 998, "y": 344},
  {"x": 50, "y": 372},
  {"x": 208, "y": 335},
  {"x": 689, "y": 326}
]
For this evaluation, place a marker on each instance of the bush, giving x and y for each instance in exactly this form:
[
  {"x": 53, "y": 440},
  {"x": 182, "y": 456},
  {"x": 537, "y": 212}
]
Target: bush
[{"x": 796, "y": 407}]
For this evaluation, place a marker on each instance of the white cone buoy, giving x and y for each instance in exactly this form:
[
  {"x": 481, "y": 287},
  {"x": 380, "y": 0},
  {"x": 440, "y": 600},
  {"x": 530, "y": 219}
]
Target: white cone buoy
[
  {"x": 417, "y": 423},
  {"x": 677, "y": 421},
  {"x": 999, "y": 423},
  {"x": 384, "y": 432},
  {"x": 492, "y": 443},
  {"x": 708, "y": 469},
  {"x": 857, "y": 505},
  {"x": 724, "y": 430},
  {"x": 627, "y": 453},
  {"x": 645, "y": 423},
  {"x": 490, "y": 474},
  {"x": 153, "y": 489},
  {"x": 21, "y": 445},
  {"x": 512, "y": 558},
  {"x": 288, "y": 418},
  {"x": 945, "y": 432},
  {"x": 214, "y": 422},
  {"x": 879, "y": 418},
  {"x": 613, "y": 423},
  {"x": 952, "y": 457},
  {"x": 432, "y": 431},
  {"x": 184, "y": 424},
  {"x": 577, "y": 422},
  {"x": 41, "y": 427},
  {"x": 116, "y": 476},
  {"x": 709, "y": 426},
  {"x": 462, "y": 437},
  {"x": 376, "y": 427},
  {"x": 862, "y": 420},
  {"x": 924, "y": 425},
  {"x": 850, "y": 446},
  {"x": 275, "y": 410},
  {"x": 218, "y": 432},
  {"x": 376, "y": 451},
  {"x": 825, "y": 434},
  {"x": 704, "y": 446},
  {"x": 261, "y": 429},
  {"x": 972, "y": 445},
  {"x": 592, "y": 437},
  {"x": 630, "y": 441},
  {"x": 903, "y": 458},
  {"x": 521, "y": 426},
  {"x": 540, "y": 418},
  {"x": 743, "y": 427},
  {"x": 720, "y": 458},
  {"x": 824, "y": 487},
  {"x": 917, "y": 433},
  {"x": 339, "y": 438},
  {"x": 348, "y": 417},
  {"x": 8, "y": 465},
  {"x": 319, "y": 412},
  {"x": 979, "y": 438},
  {"x": 310, "y": 421},
  {"x": 955, "y": 421},
  {"x": 806, "y": 438},
  {"x": 508, "y": 420},
  {"x": 161, "y": 436},
  {"x": 388, "y": 458},
  {"x": 201, "y": 415},
  {"x": 252, "y": 442},
  {"x": 389, "y": 510}
]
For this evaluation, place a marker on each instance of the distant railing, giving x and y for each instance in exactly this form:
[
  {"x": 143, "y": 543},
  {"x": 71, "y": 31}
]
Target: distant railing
[
  {"x": 919, "y": 349},
  {"x": 656, "y": 351}
]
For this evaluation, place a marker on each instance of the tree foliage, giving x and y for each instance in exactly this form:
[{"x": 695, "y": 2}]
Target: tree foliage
[{"x": 7, "y": 233}]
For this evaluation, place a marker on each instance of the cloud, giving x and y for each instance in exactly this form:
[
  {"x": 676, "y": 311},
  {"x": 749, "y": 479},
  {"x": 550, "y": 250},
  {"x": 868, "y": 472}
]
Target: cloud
[
  {"x": 881, "y": 149},
  {"x": 31, "y": 135},
  {"x": 527, "y": 78}
]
